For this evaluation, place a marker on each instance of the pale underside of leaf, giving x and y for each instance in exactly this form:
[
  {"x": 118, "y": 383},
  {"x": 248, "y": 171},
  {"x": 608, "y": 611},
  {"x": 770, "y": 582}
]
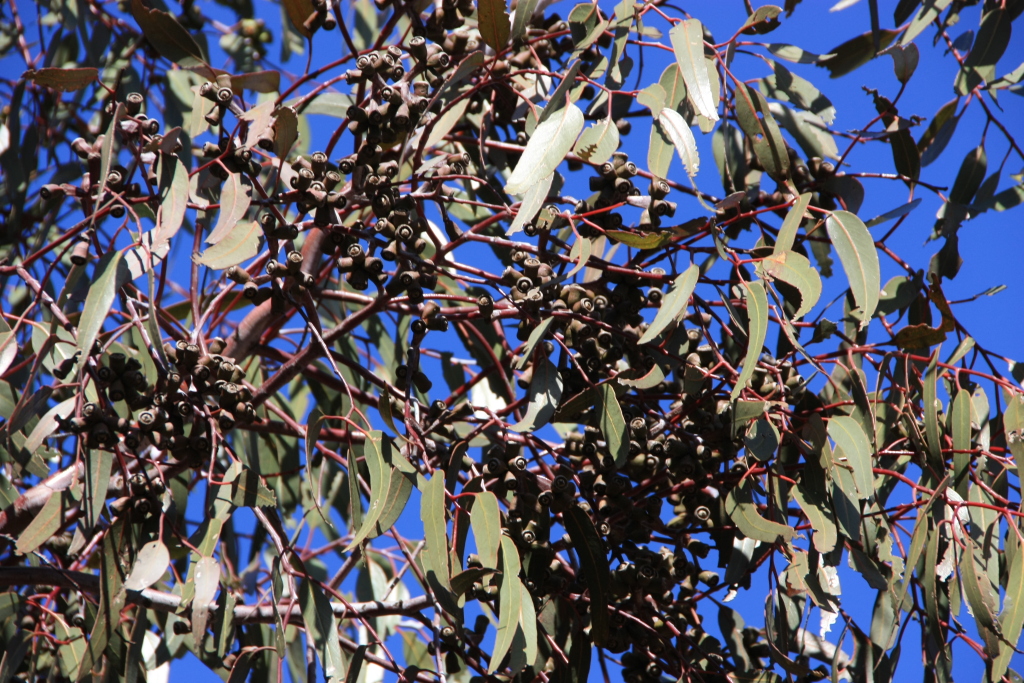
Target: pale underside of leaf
[{"x": 546, "y": 148}]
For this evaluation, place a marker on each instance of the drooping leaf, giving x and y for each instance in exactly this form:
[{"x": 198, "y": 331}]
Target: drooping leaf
[
  {"x": 787, "y": 233},
  {"x": 173, "y": 197},
  {"x": 509, "y": 599},
  {"x": 815, "y": 506},
  {"x": 659, "y": 152},
  {"x": 741, "y": 509},
  {"x": 598, "y": 141},
  {"x": 786, "y": 86},
  {"x": 486, "y": 523},
  {"x": 43, "y": 526},
  {"x": 613, "y": 424},
  {"x": 241, "y": 244},
  {"x": 757, "y": 315},
  {"x": 322, "y": 627},
  {"x": 494, "y": 23},
  {"x": 590, "y": 550},
  {"x": 521, "y": 20},
  {"x": 535, "y": 338},
  {"x": 235, "y": 200},
  {"x": 1011, "y": 619},
  {"x": 546, "y": 148},
  {"x": 682, "y": 139},
  {"x": 533, "y": 200},
  {"x": 856, "y": 447},
  {"x": 150, "y": 565},
  {"x": 856, "y": 249},
  {"x": 543, "y": 397},
  {"x": 299, "y": 11},
  {"x": 62, "y": 79},
  {"x": 855, "y": 52},
  {"x": 435, "y": 558},
  {"x": 169, "y": 37},
  {"x": 755, "y": 118},
  {"x": 992, "y": 39},
  {"x": 110, "y": 274},
  {"x": 794, "y": 269},
  {"x": 673, "y": 305},
  {"x": 688, "y": 44}
]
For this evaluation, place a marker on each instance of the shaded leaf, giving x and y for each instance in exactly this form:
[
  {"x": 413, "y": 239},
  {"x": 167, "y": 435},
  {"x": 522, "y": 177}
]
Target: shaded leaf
[
  {"x": 543, "y": 397},
  {"x": 855, "y": 52},
  {"x": 298, "y": 12},
  {"x": 110, "y": 274},
  {"x": 235, "y": 199},
  {"x": 740, "y": 507},
  {"x": 757, "y": 122},
  {"x": 786, "y": 86},
  {"x": 435, "y": 558},
  {"x": 169, "y": 37},
  {"x": 494, "y": 23},
  {"x": 173, "y": 197},
  {"x": 590, "y": 550},
  {"x": 638, "y": 240},
  {"x": 613, "y": 424},
  {"x": 855, "y": 445},
  {"x": 794, "y": 269},
  {"x": 538, "y": 333},
  {"x": 486, "y": 524},
  {"x": 322, "y": 627},
  {"x": 43, "y": 526},
  {"x": 533, "y": 200},
  {"x": 509, "y": 600}
]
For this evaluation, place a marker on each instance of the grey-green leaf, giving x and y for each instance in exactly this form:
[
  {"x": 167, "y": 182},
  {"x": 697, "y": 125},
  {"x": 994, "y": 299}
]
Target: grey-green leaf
[
  {"x": 613, "y": 424},
  {"x": 322, "y": 627},
  {"x": 150, "y": 565},
  {"x": 591, "y": 552},
  {"x": 111, "y": 273},
  {"x": 241, "y": 244},
  {"x": 546, "y": 148},
  {"x": 673, "y": 304},
  {"x": 856, "y": 249},
  {"x": 757, "y": 315},
  {"x": 855, "y": 445},
  {"x": 688, "y": 44},
  {"x": 740, "y": 507},
  {"x": 544, "y": 394},
  {"x": 485, "y": 521}
]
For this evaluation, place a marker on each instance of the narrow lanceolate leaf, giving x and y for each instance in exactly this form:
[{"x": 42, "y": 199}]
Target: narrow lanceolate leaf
[
  {"x": 613, "y": 424},
  {"x": 169, "y": 37},
  {"x": 741, "y": 509},
  {"x": 241, "y": 244},
  {"x": 173, "y": 197},
  {"x": 486, "y": 523},
  {"x": 110, "y": 274},
  {"x": 786, "y": 86},
  {"x": 851, "y": 439},
  {"x": 435, "y": 529},
  {"x": 1011, "y": 619},
  {"x": 150, "y": 565},
  {"x": 978, "y": 591},
  {"x": 508, "y": 602},
  {"x": 98, "y": 465},
  {"x": 47, "y": 424},
  {"x": 591, "y": 552},
  {"x": 543, "y": 397},
  {"x": 856, "y": 249},
  {"x": 931, "y": 406},
  {"x": 815, "y": 506},
  {"x": 755, "y": 118},
  {"x": 380, "y": 481},
  {"x": 532, "y": 202},
  {"x": 494, "y": 23},
  {"x": 688, "y": 44},
  {"x": 659, "y": 152},
  {"x": 43, "y": 526},
  {"x": 794, "y": 269},
  {"x": 757, "y": 315},
  {"x": 235, "y": 199},
  {"x": 960, "y": 426},
  {"x": 598, "y": 141},
  {"x": 787, "y": 233},
  {"x": 546, "y": 148},
  {"x": 322, "y": 627},
  {"x": 682, "y": 139},
  {"x": 521, "y": 21},
  {"x": 535, "y": 338},
  {"x": 673, "y": 305},
  {"x": 62, "y": 80}
]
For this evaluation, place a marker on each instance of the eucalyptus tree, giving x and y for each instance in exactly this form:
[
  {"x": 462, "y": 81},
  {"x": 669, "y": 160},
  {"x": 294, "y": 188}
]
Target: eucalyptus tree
[{"x": 425, "y": 359}]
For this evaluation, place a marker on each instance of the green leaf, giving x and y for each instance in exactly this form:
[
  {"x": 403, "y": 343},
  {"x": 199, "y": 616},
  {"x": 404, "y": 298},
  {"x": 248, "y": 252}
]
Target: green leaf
[
  {"x": 591, "y": 552},
  {"x": 248, "y": 490},
  {"x": 929, "y": 11},
  {"x": 524, "y": 12},
  {"x": 111, "y": 273},
  {"x": 494, "y": 23},
  {"x": 856, "y": 249},
  {"x": 97, "y": 475},
  {"x": 905, "y": 154},
  {"x": 787, "y": 233},
  {"x": 150, "y": 565},
  {"x": 639, "y": 240},
  {"x": 538, "y": 334},
  {"x": 509, "y": 600},
  {"x": 533, "y": 200},
  {"x": 756, "y": 120},
  {"x": 740, "y": 507},
  {"x": 960, "y": 426},
  {"x": 673, "y": 305},
  {"x": 43, "y": 526},
  {"x": 688, "y": 44},
  {"x": 810, "y": 133},
  {"x": 543, "y": 397},
  {"x": 546, "y": 148},
  {"x": 62, "y": 79},
  {"x": 322, "y": 627},
  {"x": 855, "y": 52},
  {"x": 898, "y": 212},
  {"x": 298, "y": 12},
  {"x": 169, "y": 37},
  {"x": 1011, "y": 619},
  {"x": 486, "y": 523},
  {"x": 762, "y": 439},
  {"x": 173, "y": 197},
  {"x": 241, "y": 244},
  {"x": 464, "y": 580},
  {"x": 972, "y": 172},
  {"x": 757, "y": 314},
  {"x": 786, "y": 86},
  {"x": 992, "y": 39},
  {"x": 579, "y": 255},
  {"x": 904, "y": 61},
  {"x": 819, "y": 513},
  {"x": 682, "y": 139},
  {"x": 613, "y": 424},
  {"x": 855, "y": 445},
  {"x": 235, "y": 200},
  {"x": 792, "y": 53},
  {"x": 653, "y": 97},
  {"x": 794, "y": 269},
  {"x": 978, "y": 591},
  {"x": 598, "y": 141},
  {"x": 435, "y": 529},
  {"x": 929, "y": 398},
  {"x": 47, "y": 424},
  {"x": 659, "y": 153},
  {"x": 380, "y": 482}
]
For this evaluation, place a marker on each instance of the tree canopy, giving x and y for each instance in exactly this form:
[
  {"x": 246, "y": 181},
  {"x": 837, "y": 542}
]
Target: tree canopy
[{"x": 431, "y": 360}]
